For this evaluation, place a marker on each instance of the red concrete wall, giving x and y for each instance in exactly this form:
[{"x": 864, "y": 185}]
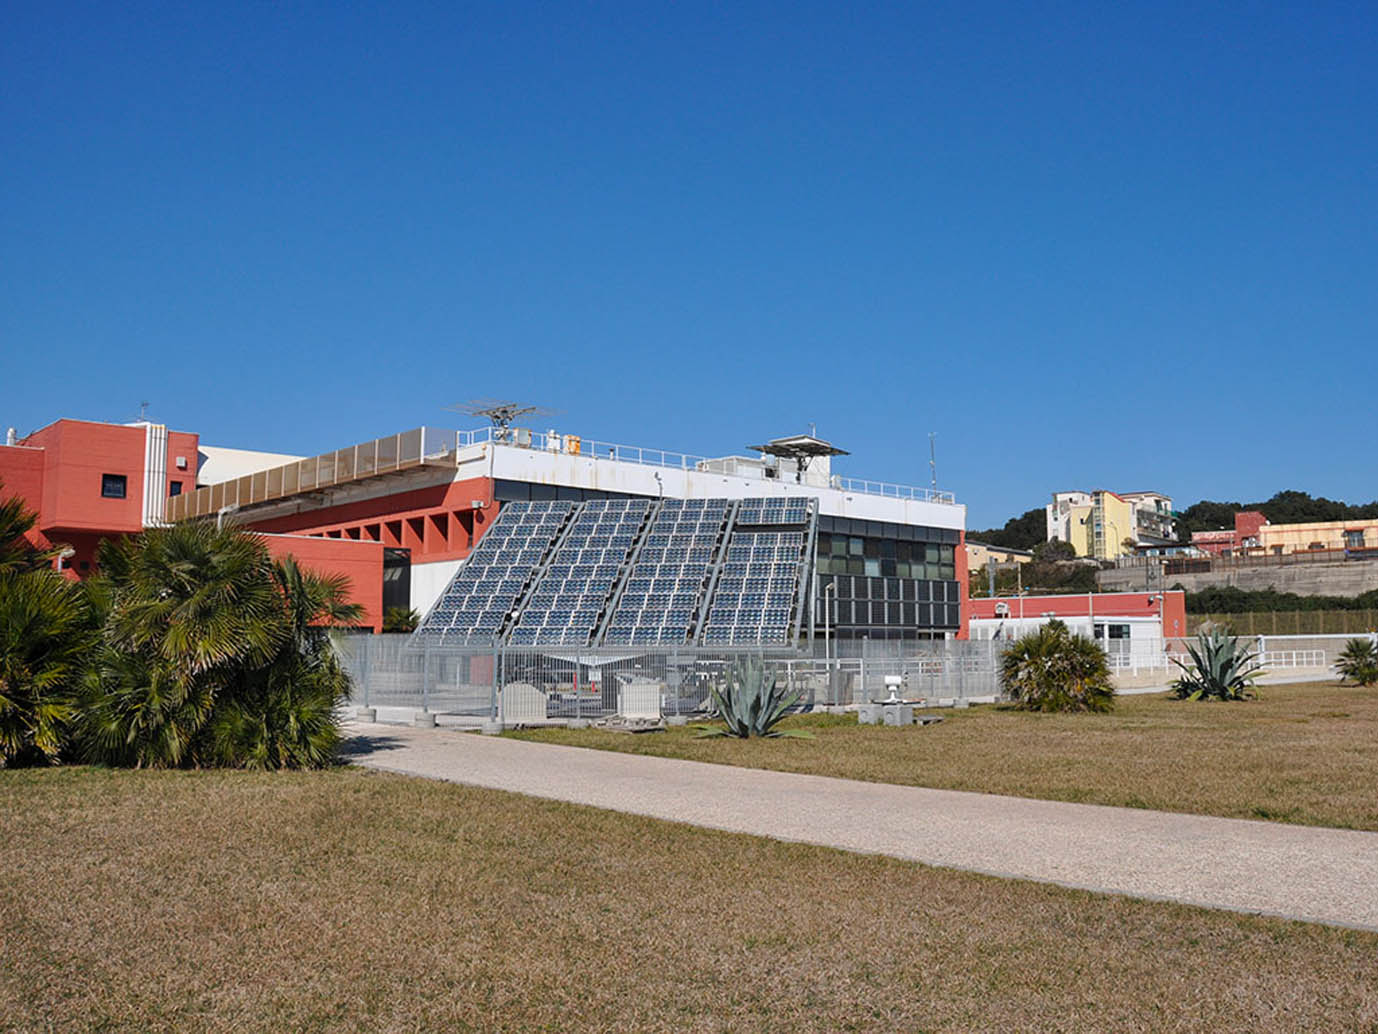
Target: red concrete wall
[
  {"x": 21, "y": 474},
  {"x": 1246, "y": 525},
  {"x": 185, "y": 444},
  {"x": 437, "y": 522},
  {"x": 360, "y": 562},
  {"x": 76, "y": 454},
  {"x": 1172, "y": 608}
]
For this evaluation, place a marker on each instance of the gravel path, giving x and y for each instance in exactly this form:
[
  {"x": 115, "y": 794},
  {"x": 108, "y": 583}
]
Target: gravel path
[{"x": 1298, "y": 872}]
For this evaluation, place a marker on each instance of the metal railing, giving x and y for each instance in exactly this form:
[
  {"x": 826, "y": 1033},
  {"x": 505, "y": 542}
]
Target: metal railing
[
  {"x": 386, "y": 455},
  {"x": 432, "y": 446},
  {"x": 592, "y": 448}
]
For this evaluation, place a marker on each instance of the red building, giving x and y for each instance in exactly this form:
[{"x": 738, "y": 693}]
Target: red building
[
  {"x": 1227, "y": 542},
  {"x": 89, "y": 481}
]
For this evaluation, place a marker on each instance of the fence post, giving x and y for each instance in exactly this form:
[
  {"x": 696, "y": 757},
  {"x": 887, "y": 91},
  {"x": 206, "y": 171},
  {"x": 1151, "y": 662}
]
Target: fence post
[
  {"x": 497, "y": 658},
  {"x": 364, "y": 667},
  {"x": 425, "y": 676}
]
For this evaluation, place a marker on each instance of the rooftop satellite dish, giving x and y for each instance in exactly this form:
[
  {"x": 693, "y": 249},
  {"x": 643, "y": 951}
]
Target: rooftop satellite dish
[{"x": 500, "y": 413}]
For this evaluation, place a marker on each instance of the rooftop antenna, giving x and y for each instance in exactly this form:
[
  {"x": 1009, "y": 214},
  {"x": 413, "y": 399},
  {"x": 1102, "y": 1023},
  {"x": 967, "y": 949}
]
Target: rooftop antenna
[
  {"x": 500, "y": 413},
  {"x": 143, "y": 410},
  {"x": 933, "y": 459}
]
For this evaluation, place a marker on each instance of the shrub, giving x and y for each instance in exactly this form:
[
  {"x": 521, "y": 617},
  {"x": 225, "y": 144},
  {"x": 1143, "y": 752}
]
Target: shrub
[
  {"x": 1359, "y": 662},
  {"x": 400, "y": 619},
  {"x": 1050, "y": 669},
  {"x": 214, "y": 655},
  {"x": 1221, "y": 669},
  {"x": 751, "y": 702},
  {"x": 45, "y": 639}
]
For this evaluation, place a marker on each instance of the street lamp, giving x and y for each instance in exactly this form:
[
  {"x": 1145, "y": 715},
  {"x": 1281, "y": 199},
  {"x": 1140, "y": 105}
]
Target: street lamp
[{"x": 827, "y": 629}]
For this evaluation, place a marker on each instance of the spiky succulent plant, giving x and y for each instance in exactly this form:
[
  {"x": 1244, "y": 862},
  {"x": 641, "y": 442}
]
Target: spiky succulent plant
[
  {"x": 1221, "y": 669},
  {"x": 751, "y": 702}
]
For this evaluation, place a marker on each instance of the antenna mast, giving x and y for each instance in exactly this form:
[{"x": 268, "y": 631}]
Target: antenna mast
[
  {"x": 500, "y": 413},
  {"x": 933, "y": 459}
]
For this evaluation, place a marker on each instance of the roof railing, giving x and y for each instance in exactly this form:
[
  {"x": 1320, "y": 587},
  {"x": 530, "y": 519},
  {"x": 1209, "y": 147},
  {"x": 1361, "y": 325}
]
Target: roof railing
[{"x": 431, "y": 446}]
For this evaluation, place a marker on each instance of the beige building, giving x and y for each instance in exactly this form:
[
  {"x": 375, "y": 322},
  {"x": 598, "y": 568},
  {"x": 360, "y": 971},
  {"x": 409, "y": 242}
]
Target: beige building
[
  {"x": 1105, "y": 525},
  {"x": 1280, "y": 539},
  {"x": 979, "y": 555}
]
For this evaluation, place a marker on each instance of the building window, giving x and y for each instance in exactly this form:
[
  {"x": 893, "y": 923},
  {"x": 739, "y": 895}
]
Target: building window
[
  {"x": 113, "y": 486},
  {"x": 174, "y": 488},
  {"x": 1354, "y": 540}
]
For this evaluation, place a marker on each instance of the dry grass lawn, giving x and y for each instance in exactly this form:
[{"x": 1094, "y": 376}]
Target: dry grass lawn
[
  {"x": 348, "y": 900},
  {"x": 1305, "y": 753}
]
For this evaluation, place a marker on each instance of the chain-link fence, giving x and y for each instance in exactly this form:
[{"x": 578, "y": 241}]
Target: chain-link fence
[
  {"x": 529, "y": 686},
  {"x": 526, "y": 685}
]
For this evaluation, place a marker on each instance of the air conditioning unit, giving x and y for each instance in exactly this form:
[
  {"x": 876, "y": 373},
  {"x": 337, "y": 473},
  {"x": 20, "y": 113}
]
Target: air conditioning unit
[{"x": 477, "y": 504}]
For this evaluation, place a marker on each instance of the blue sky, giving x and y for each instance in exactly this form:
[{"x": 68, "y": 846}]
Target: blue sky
[{"x": 1090, "y": 245}]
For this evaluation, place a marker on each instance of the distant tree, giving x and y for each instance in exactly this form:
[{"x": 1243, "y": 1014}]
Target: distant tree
[
  {"x": 1206, "y": 516},
  {"x": 1053, "y": 550},
  {"x": 1286, "y": 507},
  {"x": 1022, "y": 532}
]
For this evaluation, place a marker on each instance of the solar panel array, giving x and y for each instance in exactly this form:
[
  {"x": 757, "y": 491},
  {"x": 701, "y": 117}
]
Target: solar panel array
[
  {"x": 756, "y": 592},
  {"x": 567, "y": 602},
  {"x": 490, "y": 583},
  {"x": 661, "y": 599},
  {"x": 774, "y": 511}
]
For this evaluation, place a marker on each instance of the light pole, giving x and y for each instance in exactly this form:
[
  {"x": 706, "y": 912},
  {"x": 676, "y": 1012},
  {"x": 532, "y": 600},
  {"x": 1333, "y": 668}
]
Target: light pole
[{"x": 827, "y": 629}]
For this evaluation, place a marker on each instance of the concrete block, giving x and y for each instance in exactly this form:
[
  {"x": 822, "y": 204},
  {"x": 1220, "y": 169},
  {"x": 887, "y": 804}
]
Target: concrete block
[
  {"x": 366, "y": 714},
  {"x": 899, "y": 714},
  {"x": 490, "y": 727},
  {"x": 521, "y": 702},
  {"x": 677, "y": 719},
  {"x": 577, "y": 723},
  {"x": 423, "y": 719},
  {"x": 870, "y": 714}
]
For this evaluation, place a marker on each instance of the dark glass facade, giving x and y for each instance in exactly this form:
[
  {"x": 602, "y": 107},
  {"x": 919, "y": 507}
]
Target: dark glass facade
[{"x": 886, "y": 581}]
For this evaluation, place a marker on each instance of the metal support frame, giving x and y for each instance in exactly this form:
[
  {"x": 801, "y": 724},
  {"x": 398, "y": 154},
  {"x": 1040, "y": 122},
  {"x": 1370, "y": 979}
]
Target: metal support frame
[
  {"x": 806, "y": 569},
  {"x": 538, "y": 572},
  {"x": 624, "y": 573},
  {"x": 719, "y": 562}
]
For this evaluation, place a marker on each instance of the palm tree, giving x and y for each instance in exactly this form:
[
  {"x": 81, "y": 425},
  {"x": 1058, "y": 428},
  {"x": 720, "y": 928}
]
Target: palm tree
[
  {"x": 1050, "y": 669},
  {"x": 45, "y": 638},
  {"x": 189, "y": 607},
  {"x": 285, "y": 714},
  {"x": 17, "y": 553}
]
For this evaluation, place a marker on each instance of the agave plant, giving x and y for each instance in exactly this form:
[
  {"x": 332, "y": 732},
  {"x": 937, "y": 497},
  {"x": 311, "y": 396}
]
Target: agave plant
[
  {"x": 1221, "y": 669},
  {"x": 1359, "y": 662},
  {"x": 751, "y": 703},
  {"x": 1050, "y": 669}
]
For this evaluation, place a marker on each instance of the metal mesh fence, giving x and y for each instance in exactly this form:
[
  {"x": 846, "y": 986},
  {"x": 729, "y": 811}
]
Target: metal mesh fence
[{"x": 526, "y": 685}]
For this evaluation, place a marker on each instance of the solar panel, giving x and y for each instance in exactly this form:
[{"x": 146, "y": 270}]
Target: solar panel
[{"x": 487, "y": 586}]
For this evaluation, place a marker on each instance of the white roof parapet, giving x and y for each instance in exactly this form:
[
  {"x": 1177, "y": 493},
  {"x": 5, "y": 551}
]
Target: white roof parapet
[{"x": 576, "y": 445}]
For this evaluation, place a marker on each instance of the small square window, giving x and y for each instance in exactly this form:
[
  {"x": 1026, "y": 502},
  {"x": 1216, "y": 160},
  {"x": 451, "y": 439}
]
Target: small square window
[
  {"x": 174, "y": 488},
  {"x": 113, "y": 486}
]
